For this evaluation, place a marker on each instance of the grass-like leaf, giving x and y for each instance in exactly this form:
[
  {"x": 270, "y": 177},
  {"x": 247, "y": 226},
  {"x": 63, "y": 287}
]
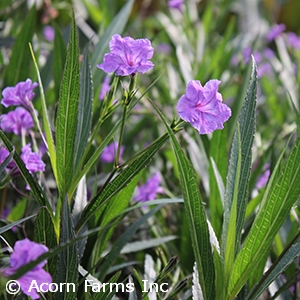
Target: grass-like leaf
[
  {"x": 46, "y": 122},
  {"x": 10, "y": 226},
  {"x": 84, "y": 108},
  {"x": 67, "y": 263},
  {"x": 288, "y": 257},
  {"x": 19, "y": 62},
  {"x": 196, "y": 217},
  {"x": 282, "y": 191},
  {"x": 246, "y": 123},
  {"x": 66, "y": 123},
  {"x": 44, "y": 233}
]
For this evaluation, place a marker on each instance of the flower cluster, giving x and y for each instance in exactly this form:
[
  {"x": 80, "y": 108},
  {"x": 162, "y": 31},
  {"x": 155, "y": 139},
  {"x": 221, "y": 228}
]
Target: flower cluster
[
  {"x": 19, "y": 122},
  {"x": 26, "y": 251},
  {"x": 21, "y": 94}
]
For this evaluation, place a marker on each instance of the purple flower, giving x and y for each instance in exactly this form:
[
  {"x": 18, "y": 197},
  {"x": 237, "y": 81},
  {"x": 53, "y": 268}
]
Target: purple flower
[
  {"x": 269, "y": 53},
  {"x": 109, "y": 152},
  {"x": 105, "y": 88},
  {"x": 203, "y": 107},
  {"x": 264, "y": 69},
  {"x": 275, "y": 31},
  {"x": 246, "y": 54},
  {"x": 149, "y": 190},
  {"x": 294, "y": 40},
  {"x": 32, "y": 160},
  {"x": 21, "y": 94},
  {"x": 17, "y": 121},
  {"x": 177, "y": 4},
  {"x": 49, "y": 33},
  {"x": 26, "y": 251},
  {"x": 263, "y": 179},
  {"x": 128, "y": 56},
  {"x": 163, "y": 48}
]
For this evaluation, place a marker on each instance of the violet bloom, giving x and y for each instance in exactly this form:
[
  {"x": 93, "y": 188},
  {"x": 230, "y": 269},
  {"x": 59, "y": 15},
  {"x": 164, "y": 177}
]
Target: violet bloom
[
  {"x": 26, "y": 251},
  {"x": 49, "y": 33},
  {"x": 203, "y": 107},
  {"x": 109, "y": 152},
  {"x": 176, "y": 4},
  {"x": 105, "y": 88},
  {"x": 275, "y": 31},
  {"x": 269, "y": 53},
  {"x": 127, "y": 56},
  {"x": 264, "y": 69},
  {"x": 246, "y": 54},
  {"x": 149, "y": 190},
  {"x": 21, "y": 94},
  {"x": 32, "y": 160},
  {"x": 163, "y": 48},
  {"x": 263, "y": 179},
  {"x": 17, "y": 121},
  {"x": 294, "y": 40}
]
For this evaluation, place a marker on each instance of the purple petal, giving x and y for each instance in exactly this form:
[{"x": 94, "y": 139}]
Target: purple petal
[{"x": 203, "y": 107}]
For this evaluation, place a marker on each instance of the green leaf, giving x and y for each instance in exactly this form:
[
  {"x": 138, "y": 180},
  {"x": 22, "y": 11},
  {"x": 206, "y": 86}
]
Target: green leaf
[
  {"x": 10, "y": 226},
  {"x": 46, "y": 122},
  {"x": 246, "y": 123},
  {"x": 107, "y": 294},
  {"x": 113, "y": 187},
  {"x": 44, "y": 233},
  {"x": 59, "y": 58},
  {"x": 19, "y": 62},
  {"x": 196, "y": 217},
  {"x": 117, "y": 25},
  {"x": 123, "y": 240},
  {"x": 230, "y": 244},
  {"x": 282, "y": 191},
  {"x": 276, "y": 269},
  {"x": 66, "y": 123},
  {"x": 17, "y": 211},
  {"x": 113, "y": 208},
  {"x": 84, "y": 109},
  {"x": 34, "y": 186},
  {"x": 67, "y": 263}
]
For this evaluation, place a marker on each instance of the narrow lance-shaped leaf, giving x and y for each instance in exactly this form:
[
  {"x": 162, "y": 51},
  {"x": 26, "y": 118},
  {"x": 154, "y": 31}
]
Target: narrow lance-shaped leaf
[
  {"x": 196, "y": 217},
  {"x": 46, "y": 122},
  {"x": 274, "y": 272},
  {"x": 246, "y": 122},
  {"x": 44, "y": 233},
  {"x": 67, "y": 263},
  {"x": 282, "y": 191},
  {"x": 66, "y": 123},
  {"x": 84, "y": 108}
]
